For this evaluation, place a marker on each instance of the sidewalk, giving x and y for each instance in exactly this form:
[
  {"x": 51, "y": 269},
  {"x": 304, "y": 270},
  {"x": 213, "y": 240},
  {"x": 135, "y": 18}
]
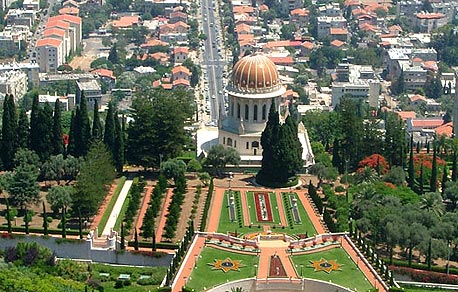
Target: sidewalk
[{"x": 117, "y": 207}]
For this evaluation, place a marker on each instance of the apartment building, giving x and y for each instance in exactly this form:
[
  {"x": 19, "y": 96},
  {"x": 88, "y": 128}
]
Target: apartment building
[
  {"x": 92, "y": 91},
  {"x": 14, "y": 38},
  {"x": 326, "y": 23},
  {"x": 50, "y": 54},
  {"x": 427, "y": 22},
  {"x": 13, "y": 82},
  {"x": 30, "y": 69},
  {"x": 287, "y": 5},
  {"x": 358, "y": 82},
  {"x": 21, "y": 17},
  {"x": 31, "y": 5},
  {"x": 75, "y": 23}
]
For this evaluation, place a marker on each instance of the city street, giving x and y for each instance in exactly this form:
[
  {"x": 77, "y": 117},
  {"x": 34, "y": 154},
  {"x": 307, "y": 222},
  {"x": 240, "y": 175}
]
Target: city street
[{"x": 213, "y": 63}]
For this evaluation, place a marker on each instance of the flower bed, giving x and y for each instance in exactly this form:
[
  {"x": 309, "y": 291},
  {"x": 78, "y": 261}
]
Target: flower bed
[{"x": 263, "y": 208}]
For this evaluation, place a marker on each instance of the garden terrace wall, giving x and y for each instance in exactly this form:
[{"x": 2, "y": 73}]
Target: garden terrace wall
[{"x": 83, "y": 249}]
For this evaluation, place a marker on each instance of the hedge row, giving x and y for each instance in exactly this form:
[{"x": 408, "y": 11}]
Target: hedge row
[
  {"x": 174, "y": 209},
  {"x": 207, "y": 206},
  {"x": 39, "y": 230},
  {"x": 426, "y": 276},
  {"x": 418, "y": 266},
  {"x": 147, "y": 228},
  {"x": 287, "y": 205},
  {"x": 315, "y": 197},
  {"x": 135, "y": 194},
  {"x": 148, "y": 244}
]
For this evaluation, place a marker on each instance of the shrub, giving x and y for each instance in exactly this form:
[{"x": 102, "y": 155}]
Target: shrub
[
  {"x": 119, "y": 284},
  {"x": 339, "y": 189},
  {"x": 49, "y": 219}
]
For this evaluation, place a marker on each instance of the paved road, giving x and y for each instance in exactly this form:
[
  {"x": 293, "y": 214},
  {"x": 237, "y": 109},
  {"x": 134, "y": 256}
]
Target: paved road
[
  {"x": 212, "y": 58},
  {"x": 117, "y": 207}
]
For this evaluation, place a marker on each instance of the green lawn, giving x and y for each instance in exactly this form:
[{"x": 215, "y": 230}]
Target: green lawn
[
  {"x": 306, "y": 225},
  {"x": 225, "y": 225},
  {"x": 273, "y": 206},
  {"x": 114, "y": 198},
  {"x": 108, "y": 283},
  {"x": 349, "y": 276},
  {"x": 418, "y": 289},
  {"x": 204, "y": 276}
]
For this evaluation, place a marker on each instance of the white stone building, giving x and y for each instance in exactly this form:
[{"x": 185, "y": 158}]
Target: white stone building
[
  {"x": 13, "y": 82},
  {"x": 254, "y": 85}
]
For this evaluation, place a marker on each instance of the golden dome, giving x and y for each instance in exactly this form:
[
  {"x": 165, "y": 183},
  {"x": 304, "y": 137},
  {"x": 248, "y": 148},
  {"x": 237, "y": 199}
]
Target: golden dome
[{"x": 255, "y": 72}]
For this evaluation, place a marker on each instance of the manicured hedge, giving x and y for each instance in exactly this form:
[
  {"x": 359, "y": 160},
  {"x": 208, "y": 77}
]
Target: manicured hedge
[
  {"x": 40, "y": 230},
  {"x": 160, "y": 245},
  {"x": 203, "y": 223},
  {"x": 114, "y": 198},
  {"x": 418, "y": 266}
]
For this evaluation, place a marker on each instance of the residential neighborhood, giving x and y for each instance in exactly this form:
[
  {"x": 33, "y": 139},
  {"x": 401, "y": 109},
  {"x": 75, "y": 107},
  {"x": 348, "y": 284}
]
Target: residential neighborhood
[{"x": 229, "y": 145}]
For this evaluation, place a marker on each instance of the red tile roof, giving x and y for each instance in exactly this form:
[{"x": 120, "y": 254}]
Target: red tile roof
[
  {"x": 308, "y": 45},
  {"x": 243, "y": 9},
  {"x": 67, "y": 18},
  {"x": 445, "y": 129},
  {"x": 427, "y": 123},
  {"x": 282, "y": 60},
  {"x": 153, "y": 43},
  {"x": 337, "y": 43},
  {"x": 339, "y": 31},
  {"x": 181, "y": 81},
  {"x": 104, "y": 73},
  {"x": 178, "y": 50},
  {"x": 300, "y": 12},
  {"x": 69, "y": 10},
  {"x": 404, "y": 115},
  {"x": 126, "y": 21},
  {"x": 183, "y": 69},
  {"x": 48, "y": 42},
  {"x": 167, "y": 86},
  {"x": 263, "y": 7},
  {"x": 54, "y": 31},
  {"x": 417, "y": 97},
  {"x": 430, "y": 15},
  {"x": 58, "y": 23},
  {"x": 430, "y": 65}
]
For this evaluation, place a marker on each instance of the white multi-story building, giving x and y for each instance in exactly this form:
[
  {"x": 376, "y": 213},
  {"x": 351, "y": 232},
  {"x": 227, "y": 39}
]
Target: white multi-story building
[
  {"x": 14, "y": 38},
  {"x": 325, "y": 23},
  {"x": 50, "y": 54},
  {"x": 60, "y": 34},
  {"x": 31, "y": 69},
  {"x": 287, "y": 5},
  {"x": 21, "y": 17},
  {"x": 31, "y": 5},
  {"x": 13, "y": 82},
  {"x": 92, "y": 91},
  {"x": 330, "y": 9},
  {"x": 66, "y": 103},
  {"x": 358, "y": 82},
  {"x": 75, "y": 23}
]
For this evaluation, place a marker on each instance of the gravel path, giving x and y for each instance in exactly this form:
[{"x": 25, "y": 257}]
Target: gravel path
[{"x": 117, "y": 207}]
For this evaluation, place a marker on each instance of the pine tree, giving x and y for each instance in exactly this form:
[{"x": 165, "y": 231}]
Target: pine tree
[
  {"x": 109, "y": 134},
  {"x": 113, "y": 55},
  {"x": 454, "y": 167},
  {"x": 421, "y": 182},
  {"x": 97, "y": 131},
  {"x": 57, "y": 142},
  {"x": 118, "y": 151},
  {"x": 71, "y": 147},
  {"x": 135, "y": 240},
  {"x": 433, "y": 182},
  {"x": 411, "y": 169},
  {"x": 148, "y": 223},
  {"x": 45, "y": 221},
  {"x": 23, "y": 132},
  {"x": 9, "y": 132}
]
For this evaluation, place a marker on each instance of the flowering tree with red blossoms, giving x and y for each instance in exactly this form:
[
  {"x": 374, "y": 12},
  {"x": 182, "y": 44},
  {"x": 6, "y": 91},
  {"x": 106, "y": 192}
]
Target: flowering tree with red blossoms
[{"x": 375, "y": 161}]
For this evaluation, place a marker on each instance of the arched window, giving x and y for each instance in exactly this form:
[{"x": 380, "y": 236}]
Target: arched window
[
  {"x": 229, "y": 142},
  {"x": 255, "y": 112},
  {"x": 238, "y": 110},
  {"x": 247, "y": 145},
  {"x": 264, "y": 110},
  {"x": 247, "y": 112},
  {"x": 255, "y": 144},
  {"x": 224, "y": 140}
]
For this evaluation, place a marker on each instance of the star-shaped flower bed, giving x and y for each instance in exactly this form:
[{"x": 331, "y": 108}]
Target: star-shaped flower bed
[
  {"x": 226, "y": 265},
  {"x": 325, "y": 265}
]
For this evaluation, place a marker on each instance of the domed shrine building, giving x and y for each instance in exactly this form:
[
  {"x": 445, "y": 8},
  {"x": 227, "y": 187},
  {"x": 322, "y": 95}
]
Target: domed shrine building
[{"x": 254, "y": 84}]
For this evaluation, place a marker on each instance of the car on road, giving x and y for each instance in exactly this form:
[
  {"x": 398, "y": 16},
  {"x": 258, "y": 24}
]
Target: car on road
[{"x": 213, "y": 96}]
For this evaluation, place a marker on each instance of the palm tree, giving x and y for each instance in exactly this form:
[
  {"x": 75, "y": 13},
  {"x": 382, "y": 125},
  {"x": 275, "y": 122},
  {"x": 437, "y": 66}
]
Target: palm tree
[
  {"x": 432, "y": 203},
  {"x": 367, "y": 175}
]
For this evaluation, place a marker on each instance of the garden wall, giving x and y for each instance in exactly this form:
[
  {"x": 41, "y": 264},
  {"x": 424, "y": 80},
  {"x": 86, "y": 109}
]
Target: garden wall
[{"x": 83, "y": 249}]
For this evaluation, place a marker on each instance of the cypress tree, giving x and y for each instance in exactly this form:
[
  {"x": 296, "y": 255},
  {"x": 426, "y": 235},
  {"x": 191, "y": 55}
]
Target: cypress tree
[
  {"x": 109, "y": 134},
  {"x": 71, "y": 147},
  {"x": 45, "y": 221},
  {"x": 23, "y": 132},
  {"x": 34, "y": 123},
  {"x": 429, "y": 255},
  {"x": 421, "y": 191},
  {"x": 269, "y": 138},
  {"x": 57, "y": 142},
  {"x": 454, "y": 167},
  {"x": 64, "y": 223},
  {"x": 427, "y": 147},
  {"x": 153, "y": 245},
  {"x": 9, "y": 132},
  {"x": 26, "y": 220},
  {"x": 411, "y": 169},
  {"x": 45, "y": 146},
  {"x": 418, "y": 147},
  {"x": 433, "y": 182},
  {"x": 118, "y": 151},
  {"x": 8, "y": 217},
  {"x": 444, "y": 179},
  {"x": 83, "y": 132},
  {"x": 123, "y": 240},
  {"x": 80, "y": 224},
  {"x": 135, "y": 240},
  {"x": 97, "y": 131}
]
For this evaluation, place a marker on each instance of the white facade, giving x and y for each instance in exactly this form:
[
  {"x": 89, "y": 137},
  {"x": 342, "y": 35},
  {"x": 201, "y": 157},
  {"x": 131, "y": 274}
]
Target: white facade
[
  {"x": 31, "y": 69},
  {"x": 13, "y": 82}
]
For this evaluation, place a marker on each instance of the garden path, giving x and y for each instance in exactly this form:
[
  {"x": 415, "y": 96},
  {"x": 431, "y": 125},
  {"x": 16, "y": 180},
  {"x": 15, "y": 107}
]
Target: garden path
[
  {"x": 163, "y": 217},
  {"x": 246, "y": 214},
  {"x": 215, "y": 210},
  {"x": 103, "y": 207},
  {"x": 281, "y": 210},
  {"x": 144, "y": 207},
  {"x": 117, "y": 207}
]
